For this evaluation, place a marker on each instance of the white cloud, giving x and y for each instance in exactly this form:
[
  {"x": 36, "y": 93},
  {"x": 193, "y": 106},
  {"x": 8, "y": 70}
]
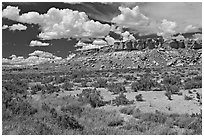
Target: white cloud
[
  {"x": 60, "y": 23},
  {"x": 190, "y": 28},
  {"x": 5, "y": 26},
  {"x": 110, "y": 40},
  {"x": 14, "y": 27},
  {"x": 37, "y": 57},
  {"x": 130, "y": 17},
  {"x": 167, "y": 28},
  {"x": 18, "y": 26},
  {"x": 42, "y": 54},
  {"x": 99, "y": 42},
  {"x": 11, "y": 13},
  {"x": 34, "y": 43},
  {"x": 179, "y": 37}
]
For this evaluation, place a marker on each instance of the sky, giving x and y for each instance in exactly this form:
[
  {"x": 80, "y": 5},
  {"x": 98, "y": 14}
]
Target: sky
[{"x": 55, "y": 28}]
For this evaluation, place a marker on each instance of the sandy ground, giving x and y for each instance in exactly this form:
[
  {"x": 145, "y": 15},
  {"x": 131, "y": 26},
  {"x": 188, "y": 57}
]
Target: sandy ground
[{"x": 153, "y": 100}]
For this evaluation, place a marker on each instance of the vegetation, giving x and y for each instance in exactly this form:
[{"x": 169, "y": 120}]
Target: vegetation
[{"x": 32, "y": 103}]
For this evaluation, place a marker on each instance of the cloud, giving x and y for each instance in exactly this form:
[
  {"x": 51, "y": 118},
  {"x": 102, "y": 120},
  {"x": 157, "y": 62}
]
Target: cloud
[
  {"x": 190, "y": 28},
  {"x": 60, "y": 23},
  {"x": 42, "y": 54},
  {"x": 179, "y": 37},
  {"x": 99, "y": 42},
  {"x": 18, "y": 26},
  {"x": 34, "y": 43},
  {"x": 167, "y": 28},
  {"x": 11, "y": 13},
  {"x": 135, "y": 20},
  {"x": 110, "y": 40},
  {"x": 35, "y": 58},
  {"x": 130, "y": 17},
  {"x": 5, "y": 26},
  {"x": 14, "y": 27}
]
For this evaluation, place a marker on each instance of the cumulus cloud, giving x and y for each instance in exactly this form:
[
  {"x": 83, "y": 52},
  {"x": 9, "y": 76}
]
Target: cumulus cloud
[
  {"x": 131, "y": 17},
  {"x": 14, "y": 27},
  {"x": 35, "y": 58},
  {"x": 34, "y": 43},
  {"x": 190, "y": 28},
  {"x": 167, "y": 28},
  {"x": 179, "y": 37},
  {"x": 18, "y": 26},
  {"x": 99, "y": 42},
  {"x": 5, "y": 26},
  {"x": 11, "y": 13},
  {"x": 110, "y": 40},
  {"x": 42, "y": 54},
  {"x": 59, "y": 23}
]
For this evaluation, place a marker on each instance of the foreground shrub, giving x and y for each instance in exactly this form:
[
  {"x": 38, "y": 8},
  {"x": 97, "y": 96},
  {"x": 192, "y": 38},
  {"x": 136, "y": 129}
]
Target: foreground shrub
[
  {"x": 195, "y": 82},
  {"x": 173, "y": 89},
  {"x": 171, "y": 80},
  {"x": 144, "y": 84},
  {"x": 66, "y": 121},
  {"x": 67, "y": 86},
  {"x": 127, "y": 110},
  {"x": 116, "y": 88},
  {"x": 121, "y": 100},
  {"x": 100, "y": 83},
  {"x": 139, "y": 97},
  {"x": 91, "y": 96}
]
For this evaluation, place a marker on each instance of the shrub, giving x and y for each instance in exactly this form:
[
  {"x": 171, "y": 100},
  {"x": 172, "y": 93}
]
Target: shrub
[
  {"x": 91, "y": 96},
  {"x": 127, "y": 110},
  {"x": 116, "y": 88},
  {"x": 73, "y": 108},
  {"x": 186, "y": 97},
  {"x": 100, "y": 83},
  {"x": 121, "y": 100},
  {"x": 67, "y": 86},
  {"x": 116, "y": 122},
  {"x": 129, "y": 77},
  {"x": 139, "y": 97},
  {"x": 36, "y": 88},
  {"x": 51, "y": 88},
  {"x": 173, "y": 89},
  {"x": 171, "y": 80},
  {"x": 168, "y": 94},
  {"x": 66, "y": 121},
  {"x": 134, "y": 86},
  {"x": 195, "y": 82},
  {"x": 144, "y": 84},
  {"x": 60, "y": 80}
]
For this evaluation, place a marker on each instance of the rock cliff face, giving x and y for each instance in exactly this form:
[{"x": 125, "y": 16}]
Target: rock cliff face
[{"x": 141, "y": 53}]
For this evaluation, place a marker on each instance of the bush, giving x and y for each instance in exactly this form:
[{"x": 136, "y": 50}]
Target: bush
[
  {"x": 91, "y": 96},
  {"x": 52, "y": 89},
  {"x": 139, "y": 97},
  {"x": 168, "y": 94},
  {"x": 100, "y": 83},
  {"x": 116, "y": 88},
  {"x": 36, "y": 88},
  {"x": 66, "y": 121},
  {"x": 127, "y": 110},
  {"x": 73, "y": 108},
  {"x": 121, "y": 100},
  {"x": 67, "y": 86},
  {"x": 144, "y": 84},
  {"x": 195, "y": 82},
  {"x": 173, "y": 89},
  {"x": 187, "y": 97},
  {"x": 171, "y": 80}
]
